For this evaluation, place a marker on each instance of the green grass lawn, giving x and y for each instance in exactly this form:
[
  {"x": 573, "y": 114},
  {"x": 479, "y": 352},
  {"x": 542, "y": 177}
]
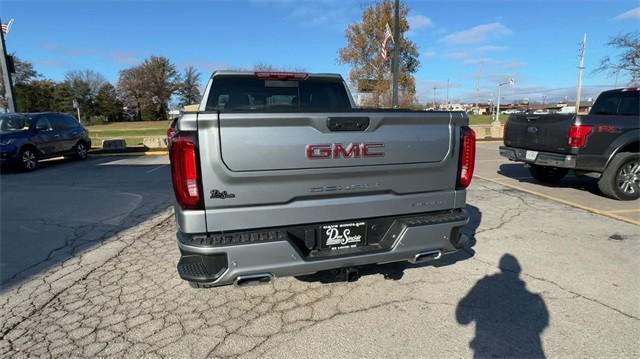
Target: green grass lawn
[
  {"x": 484, "y": 119},
  {"x": 132, "y": 132}
]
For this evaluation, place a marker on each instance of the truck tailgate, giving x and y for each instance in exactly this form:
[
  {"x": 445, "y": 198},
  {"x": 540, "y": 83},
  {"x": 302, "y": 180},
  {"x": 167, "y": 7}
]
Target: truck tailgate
[
  {"x": 259, "y": 142},
  {"x": 261, "y": 163},
  {"x": 548, "y": 133}
]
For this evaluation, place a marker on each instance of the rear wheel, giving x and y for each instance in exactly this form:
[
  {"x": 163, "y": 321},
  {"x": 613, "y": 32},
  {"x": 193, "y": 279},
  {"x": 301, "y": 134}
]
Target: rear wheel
[
  {"x": 28, "y": 159},
  {"x": 81, "y": 151},
  {"x": 548, "y": 174},
  {"x": 621, "y": 179}
]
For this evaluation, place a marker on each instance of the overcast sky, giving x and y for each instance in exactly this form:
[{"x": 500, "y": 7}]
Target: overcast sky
[{"x": 534, "y": 42}]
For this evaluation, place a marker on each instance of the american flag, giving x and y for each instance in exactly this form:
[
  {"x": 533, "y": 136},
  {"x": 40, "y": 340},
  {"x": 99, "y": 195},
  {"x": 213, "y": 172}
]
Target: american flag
[
  {"x": 387, "y": 35},
  {"x": 6, "y": 27}
]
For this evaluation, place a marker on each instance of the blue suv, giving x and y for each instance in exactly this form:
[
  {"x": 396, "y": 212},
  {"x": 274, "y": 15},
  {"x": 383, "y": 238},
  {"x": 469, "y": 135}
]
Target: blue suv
[{"x": 26, "y": 138}]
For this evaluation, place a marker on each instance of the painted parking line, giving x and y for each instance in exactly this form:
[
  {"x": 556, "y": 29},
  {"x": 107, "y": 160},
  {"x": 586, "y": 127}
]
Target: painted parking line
[
  {"x": 563, "y": 201},
  {"x": 624, "y": 210},
  {"x": 155, "y": 169}
]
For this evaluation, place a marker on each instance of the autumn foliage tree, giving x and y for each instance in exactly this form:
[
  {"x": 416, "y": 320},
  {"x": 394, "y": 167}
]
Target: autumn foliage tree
[{"x": 362, "y": 52}]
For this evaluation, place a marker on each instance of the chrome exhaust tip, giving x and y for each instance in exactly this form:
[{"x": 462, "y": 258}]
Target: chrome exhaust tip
[
  {"x": 253, "y": 279},
  {"x": 426, "y": 256}
]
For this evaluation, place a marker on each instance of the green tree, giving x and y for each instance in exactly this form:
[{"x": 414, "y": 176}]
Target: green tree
[
  {"x": 107, "y": 103},
  {"x": 362, "y": 52},
  {"x": 189, "y": 89},
  {"x": 35, "y": 96},
  {"x": 25, "y": 72},
  {"x": 84, "y": 86},
  {"x": 628, "y": 60},
  {"x": 63, "y": 99}
]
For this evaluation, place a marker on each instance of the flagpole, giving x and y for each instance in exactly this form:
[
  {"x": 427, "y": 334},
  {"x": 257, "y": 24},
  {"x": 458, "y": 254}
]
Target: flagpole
[
  {"x": 6, "y": 76},
  {"x": 396, "y": 57}
]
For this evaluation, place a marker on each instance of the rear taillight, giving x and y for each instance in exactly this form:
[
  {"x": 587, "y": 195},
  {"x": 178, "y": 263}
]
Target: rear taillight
[
  {"x": 578, "y": 135},
  {"x": 184, "y": 171},
  {"x": 467, "y": 157}
]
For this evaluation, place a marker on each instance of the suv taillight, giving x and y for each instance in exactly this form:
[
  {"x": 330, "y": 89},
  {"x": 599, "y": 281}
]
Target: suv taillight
[
  {"x": 578, "y": 135},
  {"x": 467, "y": 157},
  {"x": 184, "y": 171}
]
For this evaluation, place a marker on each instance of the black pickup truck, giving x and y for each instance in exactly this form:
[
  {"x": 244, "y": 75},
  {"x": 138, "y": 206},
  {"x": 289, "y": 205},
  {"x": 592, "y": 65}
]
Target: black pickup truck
[{"x": 605, "y": 142}]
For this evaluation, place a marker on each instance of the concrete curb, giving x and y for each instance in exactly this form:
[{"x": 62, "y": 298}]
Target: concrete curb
[{"x": 148, "y": 153}]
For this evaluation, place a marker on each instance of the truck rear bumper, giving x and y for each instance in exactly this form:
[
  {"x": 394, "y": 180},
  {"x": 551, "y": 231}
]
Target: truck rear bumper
[
  {"x": 223, "y": 259},
  {"x": 538, "y": 158}
]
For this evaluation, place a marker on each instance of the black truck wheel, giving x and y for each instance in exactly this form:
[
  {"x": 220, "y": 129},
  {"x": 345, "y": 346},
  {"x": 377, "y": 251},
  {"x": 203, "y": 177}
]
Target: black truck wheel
[
  {"x": 621, "y": 179},
  {"x": 547, "y": 174}
]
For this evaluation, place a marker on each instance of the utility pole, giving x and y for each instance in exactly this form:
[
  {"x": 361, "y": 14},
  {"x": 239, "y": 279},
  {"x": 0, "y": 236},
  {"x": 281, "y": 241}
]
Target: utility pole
[
  {"x": 396, "y": 55},
  {"x": 447, "y": 102},
  {"x": 478, "y": 94},
  {"x": 6, "y": 76},
  {"x": 434, "y": 97},
  {"x": 583, "y": 46}
]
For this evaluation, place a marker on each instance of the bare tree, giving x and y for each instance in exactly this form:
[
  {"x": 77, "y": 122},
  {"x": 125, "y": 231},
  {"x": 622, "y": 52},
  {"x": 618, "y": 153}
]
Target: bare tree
[
  {"x": 628, "y": 60},
  {"x": 88, "y": 78}
]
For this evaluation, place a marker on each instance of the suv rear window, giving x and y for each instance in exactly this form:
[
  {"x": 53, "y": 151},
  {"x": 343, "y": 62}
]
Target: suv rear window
[
  {"x": 617, "y": 103},
  {"x": 248, "y": 94}
]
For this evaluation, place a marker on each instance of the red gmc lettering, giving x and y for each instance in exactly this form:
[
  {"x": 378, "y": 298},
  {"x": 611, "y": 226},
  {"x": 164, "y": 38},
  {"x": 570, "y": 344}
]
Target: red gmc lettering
[
  {"x": 369, "y": 150},
  {"x": 351, "y": 150},
  {"x": 316, "y": 152}
]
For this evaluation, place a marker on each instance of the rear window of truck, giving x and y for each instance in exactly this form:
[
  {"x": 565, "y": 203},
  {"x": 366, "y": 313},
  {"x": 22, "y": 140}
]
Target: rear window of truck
[
  {"x": 617, "y": 103},
  {"x": 247, "y": 94}
]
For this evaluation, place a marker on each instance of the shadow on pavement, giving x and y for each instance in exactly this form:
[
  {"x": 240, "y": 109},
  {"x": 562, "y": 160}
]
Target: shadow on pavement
[
  {"x": 520, "y": 173},
  {"x": 66, "y": 207},
  {"x": 508, "y": 318},
  {"x": 396, "y": 270}
]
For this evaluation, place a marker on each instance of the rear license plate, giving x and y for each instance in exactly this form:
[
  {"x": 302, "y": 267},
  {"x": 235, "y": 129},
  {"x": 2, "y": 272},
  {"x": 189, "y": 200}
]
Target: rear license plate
[
  {"x": 344, "y": 235},
  {"x": 531, "y": 155}
]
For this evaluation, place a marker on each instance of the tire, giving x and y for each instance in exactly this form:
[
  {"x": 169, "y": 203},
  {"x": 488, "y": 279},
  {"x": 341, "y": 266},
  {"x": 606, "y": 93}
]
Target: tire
[
  {"x": 548, "y": 174},
  {"x": 621, "y": 179},
  {"x": 28, "y": 160},
  {"x": 80, "y": 151}
]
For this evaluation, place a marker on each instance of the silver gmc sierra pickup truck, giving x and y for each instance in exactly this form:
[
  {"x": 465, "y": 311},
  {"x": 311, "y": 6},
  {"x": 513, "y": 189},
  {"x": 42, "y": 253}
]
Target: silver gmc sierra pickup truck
[{"x": 278, "y": 174}]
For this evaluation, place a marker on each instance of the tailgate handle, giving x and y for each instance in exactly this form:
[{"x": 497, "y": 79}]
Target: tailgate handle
[
  {"x": 532, "y": 118},
  {"x": 347, "y": 123}
]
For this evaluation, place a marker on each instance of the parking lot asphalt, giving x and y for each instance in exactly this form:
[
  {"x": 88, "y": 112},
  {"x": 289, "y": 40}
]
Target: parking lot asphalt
[
  {"x": 576, "y": 191},
  {"x": 66, "y": 207},
  {"x": 544, "y": 278}
]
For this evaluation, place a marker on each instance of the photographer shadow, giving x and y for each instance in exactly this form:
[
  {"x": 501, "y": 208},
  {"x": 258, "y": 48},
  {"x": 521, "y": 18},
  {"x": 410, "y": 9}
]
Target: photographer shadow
[{"x": 508, "y": 318}]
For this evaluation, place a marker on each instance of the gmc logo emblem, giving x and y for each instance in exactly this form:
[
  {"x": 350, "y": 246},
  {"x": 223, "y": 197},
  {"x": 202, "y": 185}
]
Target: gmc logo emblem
[{"x": 338, "y": 150}]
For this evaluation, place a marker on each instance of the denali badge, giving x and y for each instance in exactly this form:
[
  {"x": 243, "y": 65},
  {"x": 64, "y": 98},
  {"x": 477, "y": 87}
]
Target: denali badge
[
  {"x": 351, "y": 150},
  {"x": 221, "y": 195}
]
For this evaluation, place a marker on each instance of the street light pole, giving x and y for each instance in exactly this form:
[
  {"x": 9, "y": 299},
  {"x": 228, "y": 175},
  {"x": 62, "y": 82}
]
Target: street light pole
[
  {"x": 6, "y": 76},
  {"x": 583, "y": 46},
  {"x": 497, "y": 115}
]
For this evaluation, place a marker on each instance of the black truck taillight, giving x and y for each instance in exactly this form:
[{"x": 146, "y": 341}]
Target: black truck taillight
[
  {"x": 467, "y": 157},
  {"x": 184, "y": 170},
  {"x": 578, "y": 135}
]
